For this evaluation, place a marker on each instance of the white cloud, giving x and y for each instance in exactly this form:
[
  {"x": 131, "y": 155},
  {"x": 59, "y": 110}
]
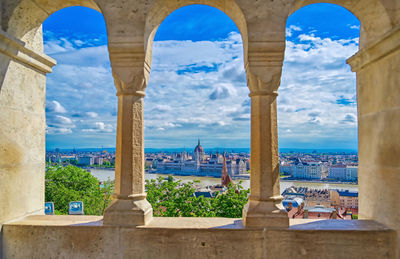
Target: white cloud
[
  {"x": 63, "y": 120},
  {"x": 350, "y": 118},
  {"x": 57, "y": 124},
  {"x": 198, "y": 90},
  {"x": 354, "y": 27},
  {"x": 99, "y": 127},
  {"x": 79, "y": 42},
  {"x": 53, "y": 131},
  {"x": 291, "y": 29},
  {"x": 92, "y": 114},
  {"x": 54, "y": 106},
  {"x": 82, "y": 81},
  {"x": 222, "y": 91},
  {"x": 161, "y": 108},
  {"x": 315, "y": 81}
]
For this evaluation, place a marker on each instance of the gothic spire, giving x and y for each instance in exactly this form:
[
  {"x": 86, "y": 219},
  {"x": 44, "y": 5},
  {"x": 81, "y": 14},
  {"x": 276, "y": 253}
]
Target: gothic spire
[{"x": 225, "y": 178}]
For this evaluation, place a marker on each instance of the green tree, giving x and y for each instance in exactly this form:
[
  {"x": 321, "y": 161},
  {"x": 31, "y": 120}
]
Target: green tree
[
  {"x": 107, "y": 189},
  {"x": 73, "y": 161},
  {"x": 230, "y": 203},
  {"x": 107, "y": 163},
  {"x": 171, "y": 198},
  {"x": 70, "y": 183}
]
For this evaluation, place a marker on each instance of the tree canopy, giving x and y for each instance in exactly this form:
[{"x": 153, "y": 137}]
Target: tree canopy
[
  {"x": 71, "y": 183},
  {"x": 169, "y": 198}
]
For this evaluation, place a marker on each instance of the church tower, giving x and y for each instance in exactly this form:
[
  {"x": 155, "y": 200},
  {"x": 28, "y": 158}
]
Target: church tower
[{"x": 225, "y": 178}]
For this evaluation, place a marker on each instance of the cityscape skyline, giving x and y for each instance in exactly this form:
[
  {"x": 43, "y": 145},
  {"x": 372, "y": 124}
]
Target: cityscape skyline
[
  {"x": 197, "y": 161},
  {"x": 199, "y": 49},
  {"x": 207, "y": 149}
]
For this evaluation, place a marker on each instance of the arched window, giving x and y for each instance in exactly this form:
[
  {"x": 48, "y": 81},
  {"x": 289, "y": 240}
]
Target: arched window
[
  {"x": 81, "y": 109},
  {"x": 80, "y": 98},
  {"x": 196, "y": 105},
  {"x": 317, "y": 109}
]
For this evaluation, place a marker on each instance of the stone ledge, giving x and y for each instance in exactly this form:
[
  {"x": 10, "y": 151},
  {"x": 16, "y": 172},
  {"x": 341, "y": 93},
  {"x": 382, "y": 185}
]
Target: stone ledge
[
  {"x": 201, "y": 223},
  {"x": 57, "y": 220},
  {"x": 389, "y": 43},
  {"x": 16, "y": 50},
  {"x": 86, "y": 237}
]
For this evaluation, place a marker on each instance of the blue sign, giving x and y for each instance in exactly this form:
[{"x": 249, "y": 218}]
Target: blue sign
[
  {"x": 75, "y": 208},
  {"x": 49, "y": 208}
]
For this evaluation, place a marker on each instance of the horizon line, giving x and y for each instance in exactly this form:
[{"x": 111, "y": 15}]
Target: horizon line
[{"x": 159, "y": 148}]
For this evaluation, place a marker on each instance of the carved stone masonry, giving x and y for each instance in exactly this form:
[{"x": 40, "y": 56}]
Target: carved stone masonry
[
  {"x": 130, "y": 67},
  {"x": 263, "y": 208},
  {"x": 129, "y": 206}
]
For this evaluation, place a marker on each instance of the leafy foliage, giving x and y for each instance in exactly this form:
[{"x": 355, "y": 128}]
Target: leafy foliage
[
  {"x": 70, "y": 183},
  {"x": 176, "y": 199},
  {"x": 230, "y": 203},
  {"x": 169, "y": 198}
]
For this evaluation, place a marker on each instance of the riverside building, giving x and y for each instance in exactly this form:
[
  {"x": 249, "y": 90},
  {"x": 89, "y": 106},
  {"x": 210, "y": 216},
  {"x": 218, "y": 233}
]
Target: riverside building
[
  {"x": 343, "y": 172},
  {"x": 201, "y": 164}
]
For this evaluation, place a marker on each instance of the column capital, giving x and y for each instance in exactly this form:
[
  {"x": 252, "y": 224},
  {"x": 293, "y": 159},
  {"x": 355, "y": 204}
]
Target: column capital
[
  {"x": 263, "y": 81},
  {"x": 130, "y": 68},
  {"x": 264, "y": 67},
  {"x": 129, "y": 82}
]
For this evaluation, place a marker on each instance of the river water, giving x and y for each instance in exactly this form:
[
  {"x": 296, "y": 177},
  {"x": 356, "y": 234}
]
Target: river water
[{"x": 103, "y": 174}]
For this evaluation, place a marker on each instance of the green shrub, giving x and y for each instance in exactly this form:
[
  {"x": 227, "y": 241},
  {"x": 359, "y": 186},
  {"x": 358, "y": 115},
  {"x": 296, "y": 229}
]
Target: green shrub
[
  {"x": 171, "y": 198},
  {"x": 70, "y": 183}
]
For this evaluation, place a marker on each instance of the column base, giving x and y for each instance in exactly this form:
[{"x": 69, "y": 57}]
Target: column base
[
  {"x": 128, "y": 212},
  {"x": 265, "y": 214}
]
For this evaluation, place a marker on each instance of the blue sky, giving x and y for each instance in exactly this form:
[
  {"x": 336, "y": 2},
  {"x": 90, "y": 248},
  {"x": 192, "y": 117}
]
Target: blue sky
[{"x": 199, "y": 50}]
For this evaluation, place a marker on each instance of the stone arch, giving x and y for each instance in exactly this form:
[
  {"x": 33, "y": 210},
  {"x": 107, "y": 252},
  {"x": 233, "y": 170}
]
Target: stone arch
[
  {"x": 25, "y": 17},
  {"x": 372, "y": 15},
  {"x": 162, "y": 9}
]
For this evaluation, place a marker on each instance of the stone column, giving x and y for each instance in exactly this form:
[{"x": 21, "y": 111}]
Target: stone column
[
  {"x": 264, "y": 207},
  {"x": 129, "y": 206}
]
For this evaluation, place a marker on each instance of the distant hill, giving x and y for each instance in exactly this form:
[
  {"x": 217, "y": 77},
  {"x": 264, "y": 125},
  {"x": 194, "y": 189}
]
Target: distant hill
[{"x": 219, "y": 149}]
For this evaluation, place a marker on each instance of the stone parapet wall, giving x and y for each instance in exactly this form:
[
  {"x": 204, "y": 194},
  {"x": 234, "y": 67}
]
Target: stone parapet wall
[
  {"x": 22, "y": 128},
  {"x": 378, "y": 97},
  {"x": 44, "y": 237}
]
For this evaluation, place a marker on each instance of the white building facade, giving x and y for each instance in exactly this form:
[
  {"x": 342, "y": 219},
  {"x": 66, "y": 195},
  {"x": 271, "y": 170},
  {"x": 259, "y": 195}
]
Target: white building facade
[{"x": 308, "y": 170}]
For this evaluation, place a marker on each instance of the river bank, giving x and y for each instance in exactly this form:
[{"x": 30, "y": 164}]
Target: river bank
[
  {"x": 103, "y": 175},
  {"x": 316, "y": 181}
]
